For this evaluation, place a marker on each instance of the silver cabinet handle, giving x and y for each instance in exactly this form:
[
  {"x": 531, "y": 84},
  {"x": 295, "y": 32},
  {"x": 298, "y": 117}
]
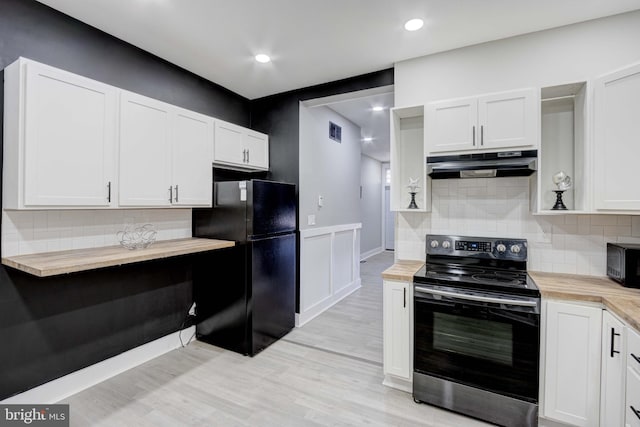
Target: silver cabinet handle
[
  {"x": 170, "y": 194},
  {"x": 247, "y": 155},
  {"x": 482, "y": 135},
  {"x": 477, "y": 297},
  {"x": 176, "y": 193},
  {"x": 474, "y": 136},
  {"x": 109, "y": 192},
  {"x": 244, "y": 156}
]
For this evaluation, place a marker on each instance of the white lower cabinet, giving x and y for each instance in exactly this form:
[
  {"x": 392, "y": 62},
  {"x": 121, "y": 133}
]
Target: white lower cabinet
[
  {"x": 613, "y": 371},
  {"x": 632, "y": 398},
  {"x": 572, "y": 363},
  {"x": 398, "y": 333}
]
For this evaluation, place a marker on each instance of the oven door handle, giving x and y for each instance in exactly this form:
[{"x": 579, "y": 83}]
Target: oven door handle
[{"x": 477, "y": 297}]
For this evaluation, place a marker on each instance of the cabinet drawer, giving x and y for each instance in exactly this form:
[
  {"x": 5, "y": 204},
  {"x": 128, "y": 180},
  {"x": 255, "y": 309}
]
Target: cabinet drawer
[
  {"x": 633, "y": 350},
  {"x": 633, "y": 398}
]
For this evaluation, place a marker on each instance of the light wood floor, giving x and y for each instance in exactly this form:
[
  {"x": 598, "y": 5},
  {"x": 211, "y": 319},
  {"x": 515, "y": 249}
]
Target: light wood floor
[{"x": 327, "y": 373}]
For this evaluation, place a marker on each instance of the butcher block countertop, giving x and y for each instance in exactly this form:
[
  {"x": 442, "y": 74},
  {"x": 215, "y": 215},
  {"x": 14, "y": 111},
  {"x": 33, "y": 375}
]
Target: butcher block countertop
[
  {"x": 402, "y": 270},
  {"x": 624, "y": 302},
  {"x": 63, "y": 262}
]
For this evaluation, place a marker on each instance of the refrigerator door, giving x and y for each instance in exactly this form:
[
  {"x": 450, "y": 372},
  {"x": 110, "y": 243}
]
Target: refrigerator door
[
  {"x": 271, "y": 208},
  {"x": 273, "y": 281}
]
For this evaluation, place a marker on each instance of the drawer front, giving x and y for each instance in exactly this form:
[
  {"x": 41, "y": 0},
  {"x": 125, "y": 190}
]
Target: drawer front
[
  {"x": 633, "y": 350},
  {"x": 632, "y": 410}
]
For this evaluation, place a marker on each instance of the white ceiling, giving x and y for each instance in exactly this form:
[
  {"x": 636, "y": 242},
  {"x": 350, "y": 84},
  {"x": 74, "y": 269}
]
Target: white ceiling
[{"x": 316, "y": 41}]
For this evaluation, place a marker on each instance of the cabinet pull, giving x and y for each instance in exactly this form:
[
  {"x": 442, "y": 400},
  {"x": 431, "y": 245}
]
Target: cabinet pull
[
  {"x": 109, "y": 191},
  {"x": 482, "y": 135},
  {"x": 635, "y": 357},
  {"x": 170, "y": 194},
  {"x": 176, "y": 193},
  {"x": 244, "y": 156},
  {"x": 635, "y": 411},
  {"x": 474, "y": 136},
  {"x": 613, "y": 335},
  {"x": 405, "y": 298},
  {"x": 247, "y": 155}
]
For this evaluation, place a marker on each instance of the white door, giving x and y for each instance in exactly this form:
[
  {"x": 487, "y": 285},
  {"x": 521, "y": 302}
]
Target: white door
[
  {"x": 69, "y": 138},
  {"x": 613, "y": 371},
  {"x": 228, "y": 145},
  {"x": 257, "y": 146},
  {"x": 145, "y": 151},
  {"x": 451, "y": 125},
  {"x": 572, "y": 364},
  {"x": 192, "y": 176},
  {"x": 389, "y": 221},
  {"x": 508, "y": 120},
  {"x": 616, "y": 130},
  {"x": 397, "y": 329}
]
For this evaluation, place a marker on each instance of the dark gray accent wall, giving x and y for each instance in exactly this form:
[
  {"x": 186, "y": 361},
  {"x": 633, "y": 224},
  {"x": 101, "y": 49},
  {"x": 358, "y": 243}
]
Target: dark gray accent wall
[{"x": 51, "y": 327}]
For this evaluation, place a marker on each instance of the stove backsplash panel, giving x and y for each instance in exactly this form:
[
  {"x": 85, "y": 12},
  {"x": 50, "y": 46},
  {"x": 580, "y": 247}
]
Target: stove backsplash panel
[{"x": 500, "y": 208}]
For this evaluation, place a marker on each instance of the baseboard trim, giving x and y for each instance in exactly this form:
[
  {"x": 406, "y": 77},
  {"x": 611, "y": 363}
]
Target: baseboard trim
[
  {"x": 371, "y": 253},
  {"x": 63, "y": 387},
  {"x": 398, "y": 383},
  {"x": 319, "y": 308}
]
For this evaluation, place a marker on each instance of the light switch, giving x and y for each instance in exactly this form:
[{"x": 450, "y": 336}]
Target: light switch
[
  {"x": 311, "y": 220},
  {"x": 320, "y": 201}
]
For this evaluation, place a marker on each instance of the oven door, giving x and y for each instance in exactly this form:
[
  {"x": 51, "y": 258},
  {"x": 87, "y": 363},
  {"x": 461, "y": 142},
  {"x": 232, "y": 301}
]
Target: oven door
[{"x": 478, "y": 339}]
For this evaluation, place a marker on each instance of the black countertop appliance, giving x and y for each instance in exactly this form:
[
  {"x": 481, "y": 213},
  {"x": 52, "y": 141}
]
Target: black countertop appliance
[{"x": 245, "y": 295}]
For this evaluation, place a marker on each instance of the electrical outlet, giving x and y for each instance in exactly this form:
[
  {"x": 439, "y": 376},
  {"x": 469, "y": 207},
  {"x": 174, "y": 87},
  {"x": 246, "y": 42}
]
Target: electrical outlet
[
  {"x": 192, "y": 310},
  {"x": 320, "y": 201}
]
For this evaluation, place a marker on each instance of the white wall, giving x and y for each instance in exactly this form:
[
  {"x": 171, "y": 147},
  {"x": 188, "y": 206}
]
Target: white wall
[
  {"x": 563, "y": 55},
  {"x": 329, "y": 169},
  {"x": 500, "y": 207},
  {"x": 371, "y": 205}
]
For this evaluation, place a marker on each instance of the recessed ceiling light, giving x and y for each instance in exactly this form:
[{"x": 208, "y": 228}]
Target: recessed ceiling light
[
  {"x": 413, "y": 24},
  {"x": 378, "y": 108},
  {"x": 367, "y": 139},
  {"x": 262, "y": 58}
]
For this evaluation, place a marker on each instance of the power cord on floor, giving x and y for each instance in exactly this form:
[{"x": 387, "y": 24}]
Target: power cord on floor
[{"x": 182, "y": 326}]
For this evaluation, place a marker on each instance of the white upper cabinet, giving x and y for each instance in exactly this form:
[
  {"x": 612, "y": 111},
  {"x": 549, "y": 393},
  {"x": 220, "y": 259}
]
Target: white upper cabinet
[
  {"x": 191, "y": 159},
  {"x": 59, "y": 138},
  {"x": 616, "y": 147},
  {"x": 487, "y": 122},
  {"x": 237, "y": 147},
  {"x": 165, "y": 154},
  {"x": 145, "y": 151},
  {"x": 452, "y": 125}
]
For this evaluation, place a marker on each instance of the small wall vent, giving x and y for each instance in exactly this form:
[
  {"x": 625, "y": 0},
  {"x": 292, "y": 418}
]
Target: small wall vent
[{"x": 335, "y": 132}]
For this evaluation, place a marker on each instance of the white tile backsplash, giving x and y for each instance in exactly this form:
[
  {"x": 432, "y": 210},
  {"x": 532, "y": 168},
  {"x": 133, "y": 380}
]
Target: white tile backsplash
[
  {"x": 27, "y": 232},
  {"x": 499, "y": 207}
]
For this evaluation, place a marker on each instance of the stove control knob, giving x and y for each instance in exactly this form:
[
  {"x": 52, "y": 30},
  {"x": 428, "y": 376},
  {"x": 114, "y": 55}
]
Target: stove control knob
[
  {"x": 434, "y": 244},
  {"x": 446, "y": 244},
  {"x": 515, "y": 249},
  {"x": 501, "y": 248}
]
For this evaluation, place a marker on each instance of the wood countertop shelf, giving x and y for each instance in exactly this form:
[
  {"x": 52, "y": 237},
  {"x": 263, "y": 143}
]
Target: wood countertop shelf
[{"x": 71, "y": 261}]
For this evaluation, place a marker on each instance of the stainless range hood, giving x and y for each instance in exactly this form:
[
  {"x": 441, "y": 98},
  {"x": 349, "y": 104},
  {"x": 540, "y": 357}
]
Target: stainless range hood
[{"x": 483, "y": 165}]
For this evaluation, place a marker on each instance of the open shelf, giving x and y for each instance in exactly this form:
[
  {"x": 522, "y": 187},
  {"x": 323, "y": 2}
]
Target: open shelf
[
  {"x": 408, "y": 159},
  {"x": 562, "y": 148}
]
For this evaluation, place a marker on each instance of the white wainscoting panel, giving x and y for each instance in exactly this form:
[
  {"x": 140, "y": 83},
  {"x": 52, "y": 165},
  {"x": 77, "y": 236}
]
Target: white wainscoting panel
[{"x": 329, "y": 268}]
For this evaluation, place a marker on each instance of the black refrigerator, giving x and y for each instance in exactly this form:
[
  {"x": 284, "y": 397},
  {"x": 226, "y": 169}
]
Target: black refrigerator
[{"x": 245, "y": 295}]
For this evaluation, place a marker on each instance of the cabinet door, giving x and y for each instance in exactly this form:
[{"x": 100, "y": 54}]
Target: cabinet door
[
  {"x": 257, "y": 146},
  {"x": 632, "y": 407},
  {"x": 69, "y": 131},
  {"x": 228, "y": 145},
  {"x": 616, "y": 130},
  {"x": 145, "y": 151},
  {"x": 572, "y": 364},
  {"x": 613, "y": 371},
  {"x": 451, "y": 125},
  {"x": 508, "y": 120},
  {"x": 191, "y": 160},
  {"x": 397, "y": 329}
]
